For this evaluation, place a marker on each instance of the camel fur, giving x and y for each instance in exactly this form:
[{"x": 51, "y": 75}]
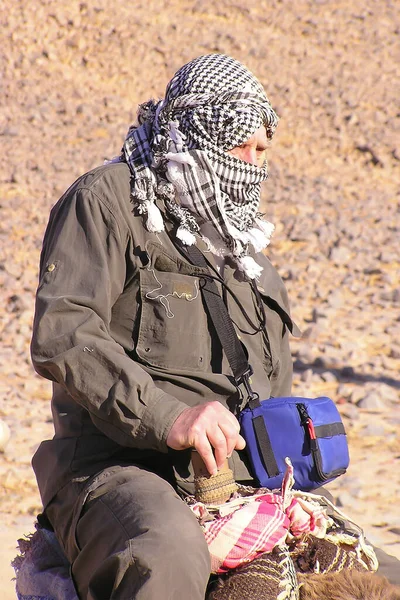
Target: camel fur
[{"x": 346, "y": 585}]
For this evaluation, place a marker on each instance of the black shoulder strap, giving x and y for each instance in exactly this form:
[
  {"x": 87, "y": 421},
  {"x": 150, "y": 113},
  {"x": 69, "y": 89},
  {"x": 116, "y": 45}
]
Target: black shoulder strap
[
  {"x": 235, "y": 353},
  {"x": 219, "y": 315}
]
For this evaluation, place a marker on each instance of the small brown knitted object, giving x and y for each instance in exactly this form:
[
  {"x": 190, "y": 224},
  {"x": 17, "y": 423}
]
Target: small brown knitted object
[
  {"x": 271, "y": 576},
  {"x": 212, "y": 489},
  {"x": 215, "y": 489}
]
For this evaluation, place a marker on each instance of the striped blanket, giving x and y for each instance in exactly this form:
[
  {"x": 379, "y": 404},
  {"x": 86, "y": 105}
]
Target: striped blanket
[{"x": 247, "y": 526}]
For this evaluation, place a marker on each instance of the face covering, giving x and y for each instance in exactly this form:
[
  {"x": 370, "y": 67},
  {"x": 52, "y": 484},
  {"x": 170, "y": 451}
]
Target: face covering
[{"x": 177, "y": 152}]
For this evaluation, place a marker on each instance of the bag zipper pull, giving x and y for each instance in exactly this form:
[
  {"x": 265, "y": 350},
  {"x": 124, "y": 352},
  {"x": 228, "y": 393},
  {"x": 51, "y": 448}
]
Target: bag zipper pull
[
  {"x": 307, "y": 421},
  {"x": 313, "y": 437}
]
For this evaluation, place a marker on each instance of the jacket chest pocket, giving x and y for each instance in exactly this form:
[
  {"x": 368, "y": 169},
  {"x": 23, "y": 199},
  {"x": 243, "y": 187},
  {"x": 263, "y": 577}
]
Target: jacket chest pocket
[{"x": 173, "y": 330}]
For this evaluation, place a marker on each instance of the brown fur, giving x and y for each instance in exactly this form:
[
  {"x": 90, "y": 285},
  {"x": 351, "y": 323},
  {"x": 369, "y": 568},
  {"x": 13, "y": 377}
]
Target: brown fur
[{"x": 347, "y": 585}]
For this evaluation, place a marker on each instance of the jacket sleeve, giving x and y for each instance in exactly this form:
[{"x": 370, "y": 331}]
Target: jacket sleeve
[{"x": 82, "y": 274}]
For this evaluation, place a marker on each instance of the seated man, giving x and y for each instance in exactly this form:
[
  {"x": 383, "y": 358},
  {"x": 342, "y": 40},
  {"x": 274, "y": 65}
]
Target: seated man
[{"x": 139, "y": 376}]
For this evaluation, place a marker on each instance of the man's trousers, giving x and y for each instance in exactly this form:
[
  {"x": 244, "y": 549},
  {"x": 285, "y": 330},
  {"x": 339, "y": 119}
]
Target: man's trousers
[{"x": 128, "y": 535}]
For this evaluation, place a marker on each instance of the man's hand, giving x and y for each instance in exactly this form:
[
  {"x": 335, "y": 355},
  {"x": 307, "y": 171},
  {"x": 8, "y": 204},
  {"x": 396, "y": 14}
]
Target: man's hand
[{"x": 205, "y": 427}]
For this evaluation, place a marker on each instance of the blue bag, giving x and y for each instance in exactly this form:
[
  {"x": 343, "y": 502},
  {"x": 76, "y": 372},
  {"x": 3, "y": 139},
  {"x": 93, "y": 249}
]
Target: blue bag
[{"x": 309, "y": 431}]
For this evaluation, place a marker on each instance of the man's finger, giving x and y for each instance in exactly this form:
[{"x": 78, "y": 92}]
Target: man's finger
[
  {"x": 218, "y": 441},
  {"x": 231, "y": 435},
  {"x": 203, "y": 447},
  {"x": 233, "y": 421},
  {"x": 241, "y": 443}
]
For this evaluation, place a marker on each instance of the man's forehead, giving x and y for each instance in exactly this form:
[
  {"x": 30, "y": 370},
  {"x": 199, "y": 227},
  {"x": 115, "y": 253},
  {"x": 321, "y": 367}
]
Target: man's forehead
[{"x": 260, "y": 135}]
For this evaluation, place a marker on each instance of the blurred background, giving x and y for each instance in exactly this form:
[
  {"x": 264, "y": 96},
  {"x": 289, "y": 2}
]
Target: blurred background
[{"x": 71, "y": 77}]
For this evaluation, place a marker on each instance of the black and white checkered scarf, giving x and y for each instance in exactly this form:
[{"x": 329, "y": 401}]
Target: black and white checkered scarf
[{"x": 177, "y": 151}]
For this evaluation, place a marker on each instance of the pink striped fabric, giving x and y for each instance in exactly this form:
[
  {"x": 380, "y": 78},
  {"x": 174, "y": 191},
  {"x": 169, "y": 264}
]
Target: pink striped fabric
[
  {"x": 253, "y": 529},
  {"x": 245, "y": 527}
]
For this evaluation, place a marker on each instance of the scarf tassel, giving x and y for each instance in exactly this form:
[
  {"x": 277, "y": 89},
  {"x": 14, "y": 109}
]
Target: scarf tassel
[
  {"x": 154, "y": 222},
  {"x": 185, "y": 236},
  {"x": 248, "y": 265}
]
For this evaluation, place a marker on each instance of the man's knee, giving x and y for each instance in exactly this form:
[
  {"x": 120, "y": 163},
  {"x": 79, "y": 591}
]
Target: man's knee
[
  {"x": 172, "y": 538},
  {"x": 143, "y": 533}
]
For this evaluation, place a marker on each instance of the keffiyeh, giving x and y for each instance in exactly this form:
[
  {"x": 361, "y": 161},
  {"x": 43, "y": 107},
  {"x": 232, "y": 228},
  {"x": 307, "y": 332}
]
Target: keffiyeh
[{"x": 177, "y": 152}]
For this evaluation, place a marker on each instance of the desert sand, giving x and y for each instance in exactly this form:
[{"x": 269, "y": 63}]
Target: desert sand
[{"x": 71, "y": 77}]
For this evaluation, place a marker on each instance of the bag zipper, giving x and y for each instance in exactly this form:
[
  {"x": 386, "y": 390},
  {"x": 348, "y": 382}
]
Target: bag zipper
[{"x": 306, "y": 421}]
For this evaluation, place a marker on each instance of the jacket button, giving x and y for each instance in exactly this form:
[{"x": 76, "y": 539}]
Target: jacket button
[
  {"x": 147, "y": 349},
  {"x": 51, "y": 267}
]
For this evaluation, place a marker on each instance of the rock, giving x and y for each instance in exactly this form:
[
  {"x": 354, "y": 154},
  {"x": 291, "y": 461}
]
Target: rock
[
  {"x": 15, "y": 304},
  {"x": 388, "y": 257},
  {"x": 305, "y": 356},
  {"x": 345, "y": 390},
  {"x": 373, "y": 429},
  {"x": 320, "y": 362},
  {"x": 395, "y": 352},
  {"x": 391, "y": 295},
  {"x": 310, "y": 332},
  {"x": 345, "y": 500},
  {"x": 340, "y": 255},
  {"x": 307, "y": 376},
  {"x": 350, "y": 411},
  {"x": 347, "y": 372},
  {"x": 5, "y": 435},
  {"x": 328, "y": 376},
  {"x": 356, "y": 394},
  {"x": 373, "y": 400},
  {"x": 389, "y": 393}
]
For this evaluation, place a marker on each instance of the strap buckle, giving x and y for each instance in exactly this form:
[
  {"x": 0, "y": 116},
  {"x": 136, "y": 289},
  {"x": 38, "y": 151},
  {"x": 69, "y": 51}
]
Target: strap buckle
[{"x": 245, "y": 381}]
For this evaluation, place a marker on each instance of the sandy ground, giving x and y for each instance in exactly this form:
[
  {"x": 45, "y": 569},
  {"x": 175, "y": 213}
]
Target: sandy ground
[{"x": 71, "y": 76}]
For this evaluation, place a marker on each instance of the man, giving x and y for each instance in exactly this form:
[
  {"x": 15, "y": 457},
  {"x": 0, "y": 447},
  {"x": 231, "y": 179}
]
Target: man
[{"x": 121, "y": 329}]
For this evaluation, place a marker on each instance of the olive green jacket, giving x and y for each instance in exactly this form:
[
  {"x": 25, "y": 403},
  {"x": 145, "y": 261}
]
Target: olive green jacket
[{"x": 121, "y": 329}]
